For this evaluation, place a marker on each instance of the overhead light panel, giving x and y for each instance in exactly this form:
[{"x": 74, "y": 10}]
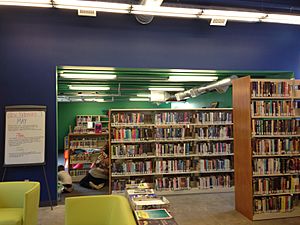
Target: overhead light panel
[
  {"x": 232, "y": 15},
  {"x": 166, "y": 89},
  {"x": 192, "y": 78},
  {"x": 88, "y": 76},
  {"x": 144, "y": 95},
  {"x": 88, "y": 88},
  {"x": 93, "y": 5},
  {"x": 30, "y": 3},
  {"x": 165, "y": 11},
  {"x": 139, "y": 99},
  {"x": 94, "y": 99},
  {"x": 281, "y": 18}
]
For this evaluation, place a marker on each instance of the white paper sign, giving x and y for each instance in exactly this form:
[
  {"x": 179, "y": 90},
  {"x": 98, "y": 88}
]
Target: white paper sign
[{"x": 24, "y": 137}]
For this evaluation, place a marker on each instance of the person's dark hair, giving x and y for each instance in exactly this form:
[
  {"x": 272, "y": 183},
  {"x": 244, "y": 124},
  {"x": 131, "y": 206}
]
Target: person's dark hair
[{"x": 60, "y": 168}]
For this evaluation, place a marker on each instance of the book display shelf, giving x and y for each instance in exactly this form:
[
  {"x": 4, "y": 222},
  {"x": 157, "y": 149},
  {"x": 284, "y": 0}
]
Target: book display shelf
[
  {"x": 177, "y": 151},
  {"x": 84, "y": 144},
  {"x": 267, "y": 147}
]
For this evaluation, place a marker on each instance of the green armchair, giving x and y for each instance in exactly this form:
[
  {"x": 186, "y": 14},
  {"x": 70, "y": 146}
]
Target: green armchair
[
  {"x": 98, "y": 210},
  {"x": 19, "y": 203}
]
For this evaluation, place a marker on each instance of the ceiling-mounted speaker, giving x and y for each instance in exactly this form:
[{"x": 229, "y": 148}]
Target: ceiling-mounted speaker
[
  {"x": 87, "y": 12},
  {"x": 218, "y": 22},
  {"x": 144, "y": 19}
]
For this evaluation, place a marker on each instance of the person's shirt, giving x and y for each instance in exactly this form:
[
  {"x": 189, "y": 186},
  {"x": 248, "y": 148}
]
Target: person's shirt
[
  {"x": 64, "y": 177},
  {"x": 98, "y": 173}
]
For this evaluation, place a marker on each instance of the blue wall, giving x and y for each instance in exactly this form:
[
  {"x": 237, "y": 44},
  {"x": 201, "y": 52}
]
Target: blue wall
[{"x": 34, "y": 41}]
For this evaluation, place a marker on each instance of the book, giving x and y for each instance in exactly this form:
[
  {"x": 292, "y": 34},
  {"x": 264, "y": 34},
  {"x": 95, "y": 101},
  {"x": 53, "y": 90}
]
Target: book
[
  {"x": 158, "y": 222},
  {"x": 151, "y": 214}
]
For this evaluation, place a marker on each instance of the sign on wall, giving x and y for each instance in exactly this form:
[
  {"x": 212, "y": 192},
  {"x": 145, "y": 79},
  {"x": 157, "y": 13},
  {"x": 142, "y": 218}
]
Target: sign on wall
[{"x": 24, "y": 135}]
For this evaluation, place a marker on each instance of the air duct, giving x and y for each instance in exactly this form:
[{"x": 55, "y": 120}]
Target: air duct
[
  {"x": 146, "y": 19},
  {"x": 220, "y": 86}
]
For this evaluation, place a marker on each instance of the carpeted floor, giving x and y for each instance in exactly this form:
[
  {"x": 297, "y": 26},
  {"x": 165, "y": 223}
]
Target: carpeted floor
[
  {"x": 80, "y": 191},
  {"x": 200, "y": 209}
]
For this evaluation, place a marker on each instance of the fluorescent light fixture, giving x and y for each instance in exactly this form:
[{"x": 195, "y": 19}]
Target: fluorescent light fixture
[
  {"x": 232, "y": 15},
  {"x": 165, "y": 11},
  {"x": 166, "y": 89},
  {"x": 144, "y": 95},
  {"x": 88, "y": 88},
  {"x": 94, "y": 99},
  {"x": 86, "y": 71},
  {"x": 76, "y": 99},
  {"x": 30, "y": 3},
  {"x": 88, "y": 76},
  {"x": 93, "y": 5},
  {"x": 139, "y": 99},
  {"x": 192, "y": 78},
  {"x": 281, "y": 18}
]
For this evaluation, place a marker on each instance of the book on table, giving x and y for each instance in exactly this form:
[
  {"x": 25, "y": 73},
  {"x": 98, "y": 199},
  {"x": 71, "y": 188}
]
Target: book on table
[
  {"x": 152, "y": 214},
  {"x": 157, "y": 222}
]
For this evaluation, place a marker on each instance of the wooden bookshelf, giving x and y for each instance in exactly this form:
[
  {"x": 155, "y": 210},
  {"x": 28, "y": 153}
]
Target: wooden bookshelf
[
  {"x": 169, "y": 146},
  {"x": 265, "y": 128},
  {"x": 84, "y": 144}
]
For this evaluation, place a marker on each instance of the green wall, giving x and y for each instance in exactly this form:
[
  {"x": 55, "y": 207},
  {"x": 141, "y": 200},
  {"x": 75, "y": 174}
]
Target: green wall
[
  {"x": 67, "y": 112},
  {"x": 204, "y": 100}
]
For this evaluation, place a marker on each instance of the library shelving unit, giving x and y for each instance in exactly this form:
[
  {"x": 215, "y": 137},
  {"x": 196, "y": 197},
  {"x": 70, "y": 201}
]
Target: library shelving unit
[
  {"x": 177, "y": 151},
  {"x": 266, "y": 147},
  {"x": 84, "y": 144}
]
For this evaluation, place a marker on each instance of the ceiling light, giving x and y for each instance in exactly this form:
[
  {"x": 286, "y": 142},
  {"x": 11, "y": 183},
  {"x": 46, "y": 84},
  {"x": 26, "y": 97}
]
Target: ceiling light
[
  {"x": 94, "y": 99},
  {"x": 93, "y": 5},
  {"x": 232, "y": 15},
  {"x": 281, "y": 18},
  {"x": 30, "y": 3},
  {"x": 139, "y": 99},
  {"x": 166, "y": 89},
  {"x": 88, "y": 76},
  {"x": 192, "y": 78},
  {"x": 88, "y": 88},
  {"x": 165, "y": 11},
  {"x": 144, "y": 95},
  {"x": 76, "y": 99}
]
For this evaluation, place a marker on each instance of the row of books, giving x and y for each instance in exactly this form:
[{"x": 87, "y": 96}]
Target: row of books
[
  {"x": 83, "y": 157},
  {"x": 130, "y": 117},
  {"x": 187, "y": 148},
  {"x": 87, "y": 118},
  {"x": 272, "y": 108},
  {"x": 192, "y": 148},
  {"x": 193, "y": 117},
  {"x": 171, "y": 117},
  {"x": 180, "y": 183},
  {"x": 85, "y": 143},
  {"x": 171, "y": 133},
  {"x": 132, "y": 133},
  {"x": 274, "y": 204},
  {"x": 203, "y": 182},
  {"x": 214, "y": 132},
  {"x": 276, "y": 185},
  {"x": 275, "y": 127},
  {"x": 211, "y": 182},
  {"x": 278, "y": 146},
  {"x": 78, "y": 172},
  {"x": 271, "y": 88},
  {"x": 276, "y": 166},
  {"x": 171, "y": 166},
  {"x": 176, "y": 149},
  {"x": 172, "y": 183}
]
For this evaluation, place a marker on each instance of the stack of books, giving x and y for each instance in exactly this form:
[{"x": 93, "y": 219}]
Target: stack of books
[{"x": 149, "y": 209}]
